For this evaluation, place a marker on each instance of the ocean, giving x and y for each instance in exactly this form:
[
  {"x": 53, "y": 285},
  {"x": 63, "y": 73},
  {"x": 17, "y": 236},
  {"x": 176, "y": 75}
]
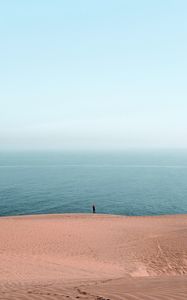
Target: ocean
[{"x": 124, "y": 183}]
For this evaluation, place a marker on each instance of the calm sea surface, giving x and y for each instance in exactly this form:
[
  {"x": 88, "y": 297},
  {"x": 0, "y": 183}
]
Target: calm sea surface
[{"x": 129, "y": 183}]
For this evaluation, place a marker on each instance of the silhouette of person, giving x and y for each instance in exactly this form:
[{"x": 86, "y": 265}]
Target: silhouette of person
[{"x": 93, "y": 208}]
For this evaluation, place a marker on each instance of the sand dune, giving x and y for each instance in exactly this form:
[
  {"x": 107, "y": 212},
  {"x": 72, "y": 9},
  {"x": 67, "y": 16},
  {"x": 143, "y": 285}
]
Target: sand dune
[{"x": 93, "y": 257}]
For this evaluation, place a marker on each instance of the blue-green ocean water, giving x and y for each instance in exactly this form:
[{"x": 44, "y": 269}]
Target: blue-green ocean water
[{"x": 126, "y": 183}]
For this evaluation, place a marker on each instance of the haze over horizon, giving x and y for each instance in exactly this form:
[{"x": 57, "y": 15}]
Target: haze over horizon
[{"x": 93, "y": 75}]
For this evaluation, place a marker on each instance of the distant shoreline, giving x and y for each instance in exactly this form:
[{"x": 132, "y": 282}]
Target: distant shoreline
[{"x": 43, "y": 215}]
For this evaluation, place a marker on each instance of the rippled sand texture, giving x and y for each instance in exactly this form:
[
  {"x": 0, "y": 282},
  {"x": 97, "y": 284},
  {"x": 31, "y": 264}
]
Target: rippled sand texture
[{"x": 93, "y": 257}]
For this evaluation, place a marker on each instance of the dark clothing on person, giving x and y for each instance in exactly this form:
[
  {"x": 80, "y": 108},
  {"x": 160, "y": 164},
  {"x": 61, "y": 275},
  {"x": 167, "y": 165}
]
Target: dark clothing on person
[{"x": 93, "y": 207}]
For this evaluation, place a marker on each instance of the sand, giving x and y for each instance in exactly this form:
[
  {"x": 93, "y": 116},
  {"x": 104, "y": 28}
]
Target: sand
[{"x": 74, "y": 256}]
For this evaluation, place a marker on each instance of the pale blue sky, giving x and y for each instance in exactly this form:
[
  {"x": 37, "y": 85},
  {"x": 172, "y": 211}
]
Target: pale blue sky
[{"x": 100, "y": 74}]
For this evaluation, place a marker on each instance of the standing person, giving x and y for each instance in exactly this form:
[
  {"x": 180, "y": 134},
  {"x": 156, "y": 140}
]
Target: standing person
[{"x": 93, "y": 208}]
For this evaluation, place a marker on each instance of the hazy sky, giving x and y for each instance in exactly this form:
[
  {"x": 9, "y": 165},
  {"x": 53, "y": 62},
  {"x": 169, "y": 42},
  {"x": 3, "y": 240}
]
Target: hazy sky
[{"x": 84, "y": 74}]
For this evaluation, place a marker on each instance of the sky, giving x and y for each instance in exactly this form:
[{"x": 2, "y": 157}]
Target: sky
[{"x": 102, "y": 74}]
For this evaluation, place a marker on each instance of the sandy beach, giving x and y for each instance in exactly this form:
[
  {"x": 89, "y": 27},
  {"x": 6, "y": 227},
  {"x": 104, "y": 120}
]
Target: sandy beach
[{"x": 74, "y": 256}]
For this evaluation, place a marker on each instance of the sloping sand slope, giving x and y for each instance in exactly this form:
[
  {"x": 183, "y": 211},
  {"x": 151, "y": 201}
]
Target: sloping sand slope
[{"x": 93, "y": 257}]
